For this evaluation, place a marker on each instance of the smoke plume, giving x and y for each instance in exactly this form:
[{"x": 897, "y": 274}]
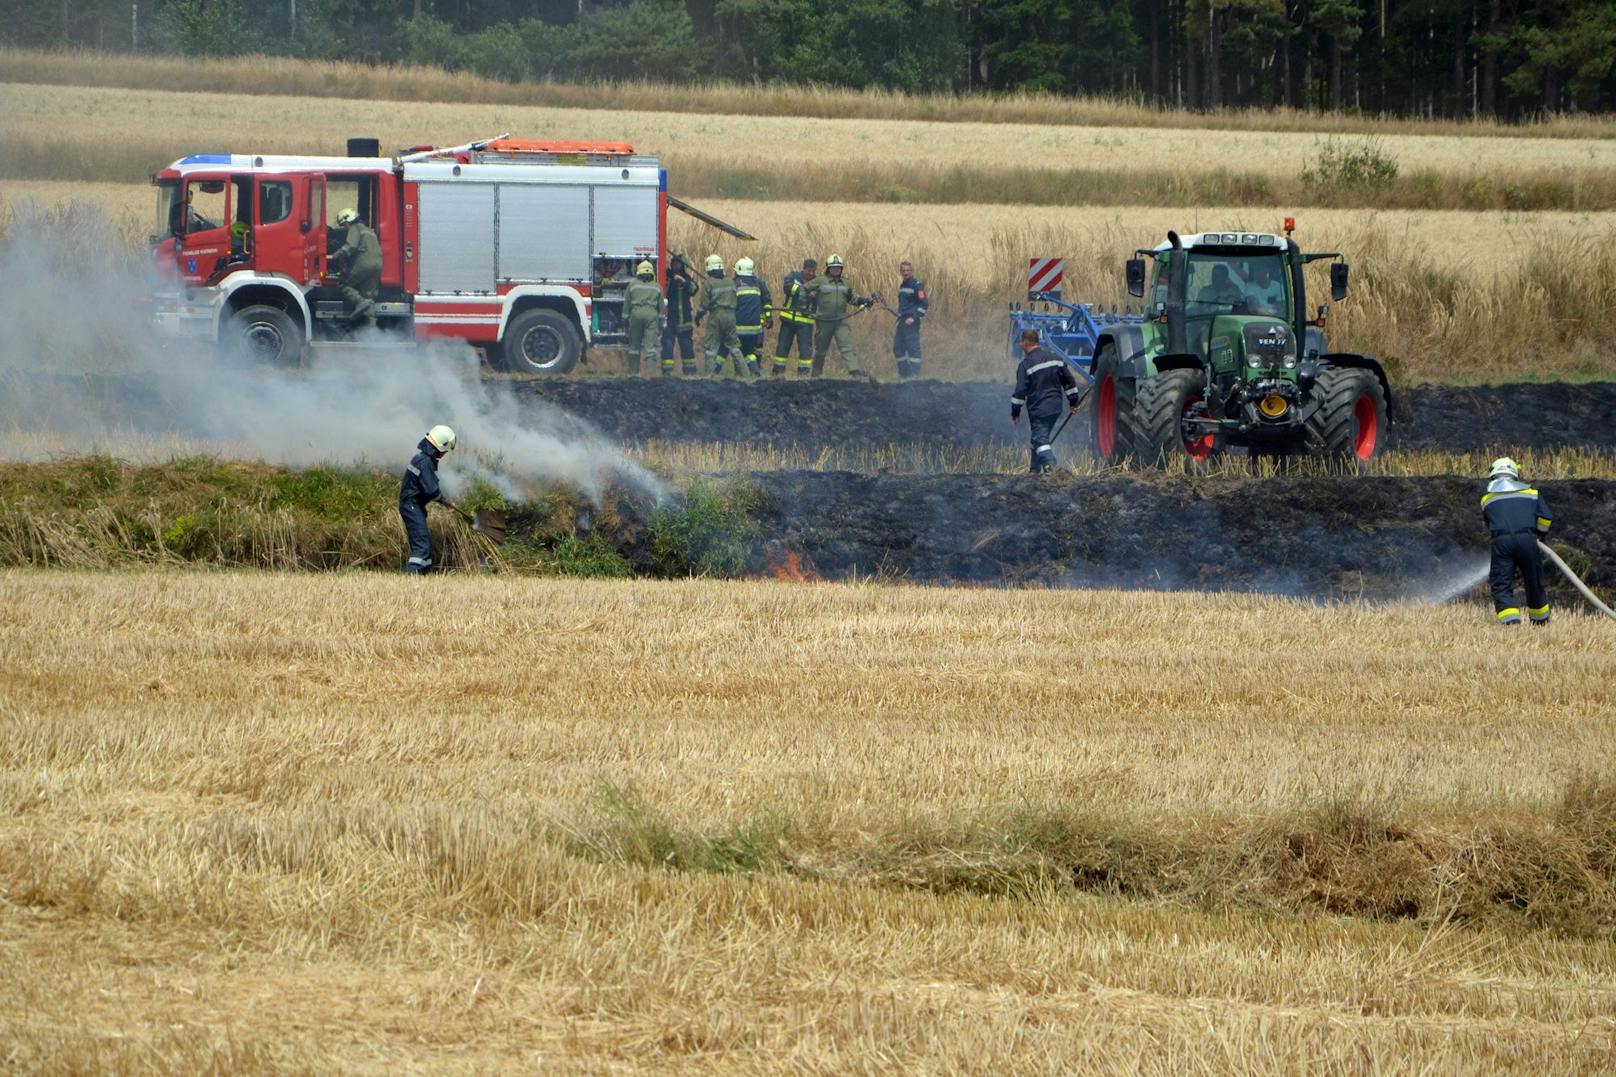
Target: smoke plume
[{"x": 81, "y": 371}]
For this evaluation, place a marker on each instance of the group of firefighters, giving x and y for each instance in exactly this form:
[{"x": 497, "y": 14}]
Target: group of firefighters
[{"x": 813, "y": 311}]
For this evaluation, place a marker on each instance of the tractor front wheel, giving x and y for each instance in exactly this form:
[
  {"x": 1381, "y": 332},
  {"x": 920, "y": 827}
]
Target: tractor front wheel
[
  {"x": 1113, "y": 397},
  {"x": 1166, "y": 409},
  {"x": 1350, "y": 421}
]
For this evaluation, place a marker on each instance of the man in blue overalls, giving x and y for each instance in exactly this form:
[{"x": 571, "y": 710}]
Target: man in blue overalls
[{"x": 420, "y": 489}]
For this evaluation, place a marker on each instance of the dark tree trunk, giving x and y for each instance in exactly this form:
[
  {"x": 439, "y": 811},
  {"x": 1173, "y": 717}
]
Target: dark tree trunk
[
  {"x": 1458, "y": 63},
  {"x": 1335, "y": 72},
  {"x": 1489, "y": 66}
]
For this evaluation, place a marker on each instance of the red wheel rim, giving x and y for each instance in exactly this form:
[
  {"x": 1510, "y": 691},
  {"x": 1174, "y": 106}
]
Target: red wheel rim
[
  {"x": 1105, "y": 421},
  {"x": 1197, "y": 448},
  {"x": 1366, "y": 427}
]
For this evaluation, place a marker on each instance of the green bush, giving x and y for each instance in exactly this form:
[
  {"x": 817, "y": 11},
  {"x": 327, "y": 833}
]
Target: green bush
[
  {"x": 710, "y": 534},
  {"x": 1349, "y": 168}
]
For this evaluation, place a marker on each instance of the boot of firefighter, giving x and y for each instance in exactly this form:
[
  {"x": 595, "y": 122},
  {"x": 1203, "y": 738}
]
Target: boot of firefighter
[
  {"x": 752, "y": 367},
  {"x": 779, "y": 368}
]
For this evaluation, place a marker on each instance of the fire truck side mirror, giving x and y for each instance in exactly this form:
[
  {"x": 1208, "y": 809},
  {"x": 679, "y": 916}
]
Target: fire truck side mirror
[
  {"x": 1136, "y": 276},
  {"x": 1338, "y": 281}
]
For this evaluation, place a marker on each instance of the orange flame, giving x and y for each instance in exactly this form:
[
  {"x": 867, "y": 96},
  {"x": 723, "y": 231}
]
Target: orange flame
[{"x": 789, "y": 565}]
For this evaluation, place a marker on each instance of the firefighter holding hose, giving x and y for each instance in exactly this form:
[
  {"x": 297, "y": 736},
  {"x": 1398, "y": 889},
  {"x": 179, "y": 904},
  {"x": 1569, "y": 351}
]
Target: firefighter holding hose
[
  {"x": 834, "y": 303},
  {"x": 1516, "y": 516},
  {"x": 1044, "y": 386},
  {"x": 796, "y": 320}
]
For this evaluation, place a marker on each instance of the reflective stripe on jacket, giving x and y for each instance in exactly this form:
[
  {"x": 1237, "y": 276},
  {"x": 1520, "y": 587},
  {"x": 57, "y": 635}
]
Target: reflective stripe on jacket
[
  {"x": 912, "y": 302},
  {"x": 753, "y": 303},
  {"x": 1510, "y": 507},
  {"x": 795, "y": 306},
  {"x": 420, "y": 486},
  {"x": 1044, "y": 383}
]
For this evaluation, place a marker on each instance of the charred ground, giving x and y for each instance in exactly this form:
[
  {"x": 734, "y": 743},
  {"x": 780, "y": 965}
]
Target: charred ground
[{"x": 834, "y": 411}]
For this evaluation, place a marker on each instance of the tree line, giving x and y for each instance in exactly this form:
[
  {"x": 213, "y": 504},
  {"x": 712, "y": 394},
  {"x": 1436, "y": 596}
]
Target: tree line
[{"x": 1448, "y": 58}]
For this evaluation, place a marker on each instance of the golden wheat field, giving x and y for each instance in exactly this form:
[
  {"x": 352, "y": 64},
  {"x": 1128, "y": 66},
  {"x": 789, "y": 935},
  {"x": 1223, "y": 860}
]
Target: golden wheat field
[
  {"x": 274, "y": 823},
  {"x": 115, "y": 121}
]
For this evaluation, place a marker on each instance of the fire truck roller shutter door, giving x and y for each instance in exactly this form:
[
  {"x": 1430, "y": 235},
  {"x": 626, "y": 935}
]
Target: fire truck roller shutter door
[
  {"x": 543, "y": 232},
  {"x": 457, "y": 237},
  {"x": 625, "y": 221}
]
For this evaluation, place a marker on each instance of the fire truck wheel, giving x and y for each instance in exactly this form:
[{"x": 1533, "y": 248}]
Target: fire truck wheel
[
  {"x": 263, "y": 335},
  {"x": 541, "y": 341}
]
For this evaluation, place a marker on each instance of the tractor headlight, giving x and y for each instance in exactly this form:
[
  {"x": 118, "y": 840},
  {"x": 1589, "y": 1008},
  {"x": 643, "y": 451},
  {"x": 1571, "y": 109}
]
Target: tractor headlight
[
  {"x": 1254, "y": 361},
  {"x": 1290, "y": 362}
]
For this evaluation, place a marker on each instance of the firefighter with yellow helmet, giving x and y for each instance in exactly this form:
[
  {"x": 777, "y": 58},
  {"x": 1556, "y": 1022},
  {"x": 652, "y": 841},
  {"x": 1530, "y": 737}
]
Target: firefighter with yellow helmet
[
  {"x": 642, "y": 306},
  {"x": 834, "y": 303},
  {"x": 718, "y": 301}
]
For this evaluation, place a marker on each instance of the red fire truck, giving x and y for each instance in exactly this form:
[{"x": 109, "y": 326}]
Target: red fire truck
[{"x": 519, "y": 247}]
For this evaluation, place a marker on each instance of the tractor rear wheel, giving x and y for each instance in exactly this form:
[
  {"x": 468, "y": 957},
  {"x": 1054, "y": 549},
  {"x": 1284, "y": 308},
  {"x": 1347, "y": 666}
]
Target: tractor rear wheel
[
  {"x": 1350, "y": 421},
  {"x": 1112, "y": 413},
  {"x": 1163, "y": 405}
]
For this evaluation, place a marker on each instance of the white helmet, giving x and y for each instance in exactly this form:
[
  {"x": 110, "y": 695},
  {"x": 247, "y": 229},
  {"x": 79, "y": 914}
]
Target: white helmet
[
  {"x": 348, "y": 216},
  {"x": 744, "y": 267},
  {"x": 1505, "y": 466},
  {"x": 441, "y": 437}
]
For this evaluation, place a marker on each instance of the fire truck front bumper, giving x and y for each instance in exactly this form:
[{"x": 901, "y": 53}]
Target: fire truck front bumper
[{"x": 177, "y": 314}]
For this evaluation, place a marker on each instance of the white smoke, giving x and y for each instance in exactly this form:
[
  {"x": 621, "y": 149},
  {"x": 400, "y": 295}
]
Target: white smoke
[{"x": 81, "y": 372}]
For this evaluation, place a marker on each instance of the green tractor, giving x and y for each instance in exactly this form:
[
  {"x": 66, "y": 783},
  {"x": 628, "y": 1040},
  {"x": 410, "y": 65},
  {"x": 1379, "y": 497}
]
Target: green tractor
[{"x": 1228, "y": 359}]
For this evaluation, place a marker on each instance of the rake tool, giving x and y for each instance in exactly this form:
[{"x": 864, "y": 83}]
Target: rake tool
[{"x": 488, "y": 523}]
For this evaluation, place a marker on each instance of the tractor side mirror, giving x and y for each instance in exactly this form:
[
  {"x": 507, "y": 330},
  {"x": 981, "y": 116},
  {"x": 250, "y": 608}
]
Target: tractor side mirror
[
  {"x": 1338, "y": 281},
  {"x": 1136, "y": 276}
]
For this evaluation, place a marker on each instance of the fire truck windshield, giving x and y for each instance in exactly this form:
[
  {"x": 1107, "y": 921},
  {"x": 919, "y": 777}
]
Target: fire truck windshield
[{"x": 170, "y": 216}]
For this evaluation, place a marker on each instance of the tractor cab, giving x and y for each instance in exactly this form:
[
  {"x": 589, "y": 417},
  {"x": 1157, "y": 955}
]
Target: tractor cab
[{"x": 1228, "y": 357}]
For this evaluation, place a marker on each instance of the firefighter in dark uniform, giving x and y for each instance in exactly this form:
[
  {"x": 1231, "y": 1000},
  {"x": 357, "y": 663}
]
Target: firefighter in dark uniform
[
  {"x": 1516, "y": 516},
  {"x": 679, "y": 317},
  {"x": 796, "y": 321},
  {"x": 420, "y": 489},
  {"x": 912, "y": 307},
  {"x": 1045, "y": 387},
  {"x": 360, "y": 257},
  {"x": 754, "y": 310}
]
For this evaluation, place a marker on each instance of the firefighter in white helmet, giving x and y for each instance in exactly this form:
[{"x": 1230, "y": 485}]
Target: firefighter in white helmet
[
  {"x": 1516, "y": 517},
  {"x": 359, "y": 261},
  {"x": 642, "y": 304},
  {"x": 834, "y": 303},
  {"x": 754, "y": 310},
  {"x": 420, "y": 489}
]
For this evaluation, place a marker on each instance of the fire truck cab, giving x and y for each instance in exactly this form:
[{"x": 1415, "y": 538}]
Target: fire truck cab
[{"x": 519, "y": 247}]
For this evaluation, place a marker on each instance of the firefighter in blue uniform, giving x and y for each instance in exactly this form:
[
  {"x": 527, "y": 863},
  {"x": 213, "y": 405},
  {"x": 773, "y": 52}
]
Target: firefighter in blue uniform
[
  {"x": 420, "y": 489},
  {"x": 754, "y": 312},
  {"x": 796, "y": 320},
  {"x": 912, "y": 307},
  {"x": 1516, "y": 516},
  {"x": 678, "y": 317},
  {"x": 1045, "y": 387}
]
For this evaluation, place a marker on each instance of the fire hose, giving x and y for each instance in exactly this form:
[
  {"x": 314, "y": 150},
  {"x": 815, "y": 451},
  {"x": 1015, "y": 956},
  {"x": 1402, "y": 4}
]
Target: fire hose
[{"x": 1572, "y": 576}]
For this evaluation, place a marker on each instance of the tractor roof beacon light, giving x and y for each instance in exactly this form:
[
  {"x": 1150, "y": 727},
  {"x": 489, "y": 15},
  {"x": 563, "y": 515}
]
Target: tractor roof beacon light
[{"x": 1290, "y": 225}]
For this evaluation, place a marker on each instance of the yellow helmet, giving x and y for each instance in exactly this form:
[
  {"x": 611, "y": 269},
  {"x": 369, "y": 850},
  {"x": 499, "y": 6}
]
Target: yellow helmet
[
  {"x": 744, "y": 267},
  {"x": 833, "y": 262},
  {"x": 441, "y": 437},
  {"x": 645, "y": 269},
  {"x": 714, "y": 262},
  {"x": 1504, "y": 466},
  {"x": 347, "y": 216}
]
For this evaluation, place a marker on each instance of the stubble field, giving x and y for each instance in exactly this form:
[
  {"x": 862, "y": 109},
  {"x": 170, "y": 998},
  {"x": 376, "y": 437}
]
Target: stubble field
[{"x": 279, "y": 823}]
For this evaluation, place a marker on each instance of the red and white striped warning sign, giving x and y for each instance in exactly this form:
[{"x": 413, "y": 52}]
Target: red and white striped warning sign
[{"x": 1045, "y": 275}]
